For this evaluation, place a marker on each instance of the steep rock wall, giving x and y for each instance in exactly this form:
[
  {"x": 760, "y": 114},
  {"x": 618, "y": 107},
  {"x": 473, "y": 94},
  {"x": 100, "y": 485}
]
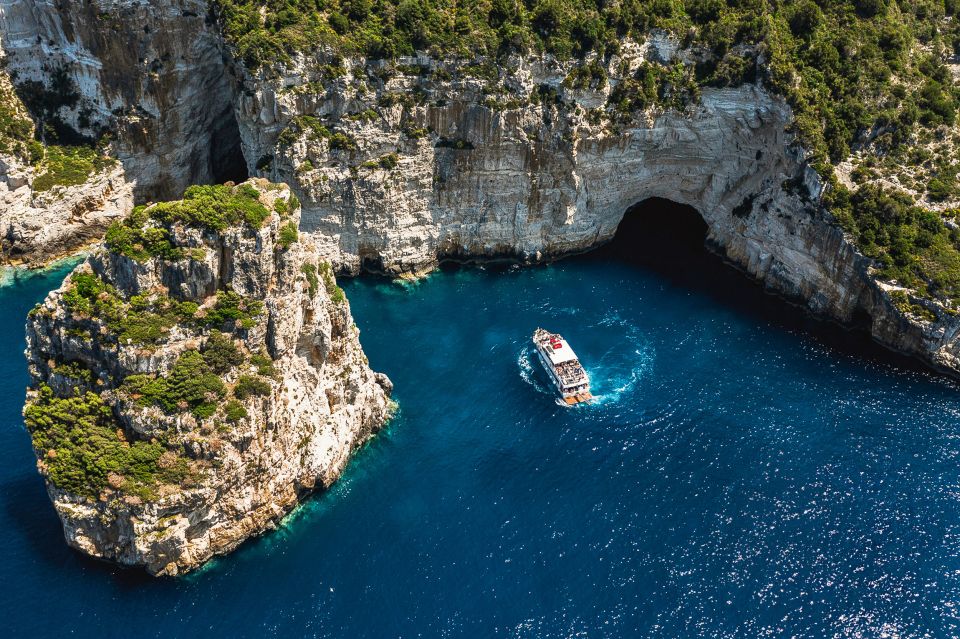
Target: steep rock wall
[
  {"x": 447, "y": 171},
  {"x": 150, "y": 72},
  {"x": 39, "y": 225},
  {"x": 441, "y": 160}
]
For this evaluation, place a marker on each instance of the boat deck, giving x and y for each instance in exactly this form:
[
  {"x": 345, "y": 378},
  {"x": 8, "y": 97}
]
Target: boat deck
[{"x": 579, "y": 398}]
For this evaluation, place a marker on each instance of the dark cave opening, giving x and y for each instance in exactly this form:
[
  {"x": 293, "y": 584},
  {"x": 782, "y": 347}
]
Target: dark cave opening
[
  {"x": 662, "y": 236},
  {"x": 227, "y": 163},
  {"x": 670, "y": 240}
]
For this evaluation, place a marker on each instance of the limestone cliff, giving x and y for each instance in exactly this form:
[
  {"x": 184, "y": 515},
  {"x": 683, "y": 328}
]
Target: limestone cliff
[
  {"x": 194, "y": 379},
  {"x": 149, "y": 73},
  {"x": 402, "y": 164}
]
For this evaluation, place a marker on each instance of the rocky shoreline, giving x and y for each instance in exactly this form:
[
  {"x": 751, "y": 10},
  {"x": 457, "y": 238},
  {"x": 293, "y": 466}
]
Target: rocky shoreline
[{"x": 393, "y": 167}]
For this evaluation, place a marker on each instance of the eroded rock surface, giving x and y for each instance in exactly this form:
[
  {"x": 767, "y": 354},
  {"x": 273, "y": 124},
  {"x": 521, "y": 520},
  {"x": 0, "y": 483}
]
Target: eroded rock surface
[
  {"x": 151, "y": 73},
  {"x": 38, "y": 225},
  {"x": 430, "y": 166}
]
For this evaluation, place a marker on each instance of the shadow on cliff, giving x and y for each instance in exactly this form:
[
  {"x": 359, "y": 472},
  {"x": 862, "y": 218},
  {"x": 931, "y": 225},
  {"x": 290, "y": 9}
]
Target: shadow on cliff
[
  {"x": 670, "y": 240},
  {"x": 27, "y": 509}
]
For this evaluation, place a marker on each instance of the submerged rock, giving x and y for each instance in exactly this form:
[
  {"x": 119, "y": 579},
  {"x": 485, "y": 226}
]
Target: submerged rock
[{"x": 194, "y": 379}]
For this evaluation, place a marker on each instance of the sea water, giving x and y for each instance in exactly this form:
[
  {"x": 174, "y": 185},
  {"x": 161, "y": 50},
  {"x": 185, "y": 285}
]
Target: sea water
[{"x": 744, "y": 472}]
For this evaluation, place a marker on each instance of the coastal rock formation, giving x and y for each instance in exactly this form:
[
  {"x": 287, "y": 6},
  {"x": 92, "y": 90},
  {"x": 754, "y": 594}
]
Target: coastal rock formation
[
  {"x": 192, "y": 380},
  {"x": 402, "y": 164},
  {"x": 39, "y": 227},
  {"x": 400, "y": 167}
]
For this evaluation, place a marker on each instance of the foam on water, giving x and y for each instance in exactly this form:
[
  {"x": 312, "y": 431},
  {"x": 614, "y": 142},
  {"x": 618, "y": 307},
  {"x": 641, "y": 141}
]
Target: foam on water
[
  {"x": 529, "y": 373},
  {"x": 616, "y": 360}
]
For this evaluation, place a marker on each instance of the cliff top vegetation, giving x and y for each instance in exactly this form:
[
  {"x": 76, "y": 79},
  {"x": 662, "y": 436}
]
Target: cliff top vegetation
[
  {"x": 848, "y": 68},
  {"x": 84, "y": 446},
  {"x": 145, "y": 233},
  {"x": 871, "y": 84}
]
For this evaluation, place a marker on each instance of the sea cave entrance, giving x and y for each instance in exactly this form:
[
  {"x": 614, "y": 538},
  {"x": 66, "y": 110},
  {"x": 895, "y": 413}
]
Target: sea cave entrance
[
  {"x": 662, "y": 236},
  {"x": 669, "y": 240}
]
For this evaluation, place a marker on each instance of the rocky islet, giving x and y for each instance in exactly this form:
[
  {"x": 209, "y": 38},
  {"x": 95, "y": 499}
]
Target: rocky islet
[{"x": 184, "y": 403}]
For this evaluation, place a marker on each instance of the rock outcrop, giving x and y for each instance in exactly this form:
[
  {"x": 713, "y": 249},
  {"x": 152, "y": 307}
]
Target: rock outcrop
[
  {"x": 149, "y": 72},
  {"x": 40, "y": 227},
  {"x": 400, "y": 167},
  {"x": 195, "y": 379}
]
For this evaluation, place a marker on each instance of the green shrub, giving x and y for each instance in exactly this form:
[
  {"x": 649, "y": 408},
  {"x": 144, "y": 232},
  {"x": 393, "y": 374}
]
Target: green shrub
[
  {"x": 941, "y": 188},
  {"x": 310, "y": 125},
  {"x": 330, "y": 284},
  {"x": 264, "y": 365},
  {"x": 80, "y": 445},
  {"x": 342, "y": 141},
  {"x": 233, "y": 307},
  {"x": 141, "y": 243},
  {"x": 310, "y": 272},
  {"x": 84, "y": 292},
  {"x": 234, "y": 411},
  {"x": 147, "y": 319},
  {"x": 288, "y": 235},
  {"x": 215, "y": 208},
  {"x": 837, "y": 62},
  {"x": 142, "y": 320},
  {"x": 251, "y": 386},
  {"x": 906, "y": 305},
  {"x": 389, "y": 161},
  {"x": 16, "y": 127},
  {"x": 74, "y": 370},
  {"x": 415, "y": 132},
  {"x": 191, "y": 385},
  {"x": 69, "y": 166},
  {"x": 221, "y": 353}
]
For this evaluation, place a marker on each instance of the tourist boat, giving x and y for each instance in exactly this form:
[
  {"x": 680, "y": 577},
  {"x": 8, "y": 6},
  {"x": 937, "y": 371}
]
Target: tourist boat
[{"x": 562, "y": 366}]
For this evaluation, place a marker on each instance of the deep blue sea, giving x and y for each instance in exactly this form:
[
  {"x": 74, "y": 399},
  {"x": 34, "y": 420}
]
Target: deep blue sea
[{"x": 745, "y": 472}]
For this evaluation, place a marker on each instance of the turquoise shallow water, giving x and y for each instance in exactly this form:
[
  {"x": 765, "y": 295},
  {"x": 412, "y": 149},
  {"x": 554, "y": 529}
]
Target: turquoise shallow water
[{"x": 739, "y": 476}]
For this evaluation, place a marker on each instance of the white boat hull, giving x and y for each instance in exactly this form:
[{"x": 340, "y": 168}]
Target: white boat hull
[{"x": 574, "y": 391}]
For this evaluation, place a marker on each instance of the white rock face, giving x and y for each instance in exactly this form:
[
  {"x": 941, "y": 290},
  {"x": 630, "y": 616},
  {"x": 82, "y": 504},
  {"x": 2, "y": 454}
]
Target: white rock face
[
  {"x": 323, "y": 402},
  {"x": 150, "y": 71},
  {"x": 538, "y": 181},
  {"x": 38, "y": 228}
]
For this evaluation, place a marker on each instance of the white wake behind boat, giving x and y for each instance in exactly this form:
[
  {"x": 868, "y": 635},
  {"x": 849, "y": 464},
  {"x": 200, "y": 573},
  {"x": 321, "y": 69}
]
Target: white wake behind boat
[{"x": 563, "y": 367}]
